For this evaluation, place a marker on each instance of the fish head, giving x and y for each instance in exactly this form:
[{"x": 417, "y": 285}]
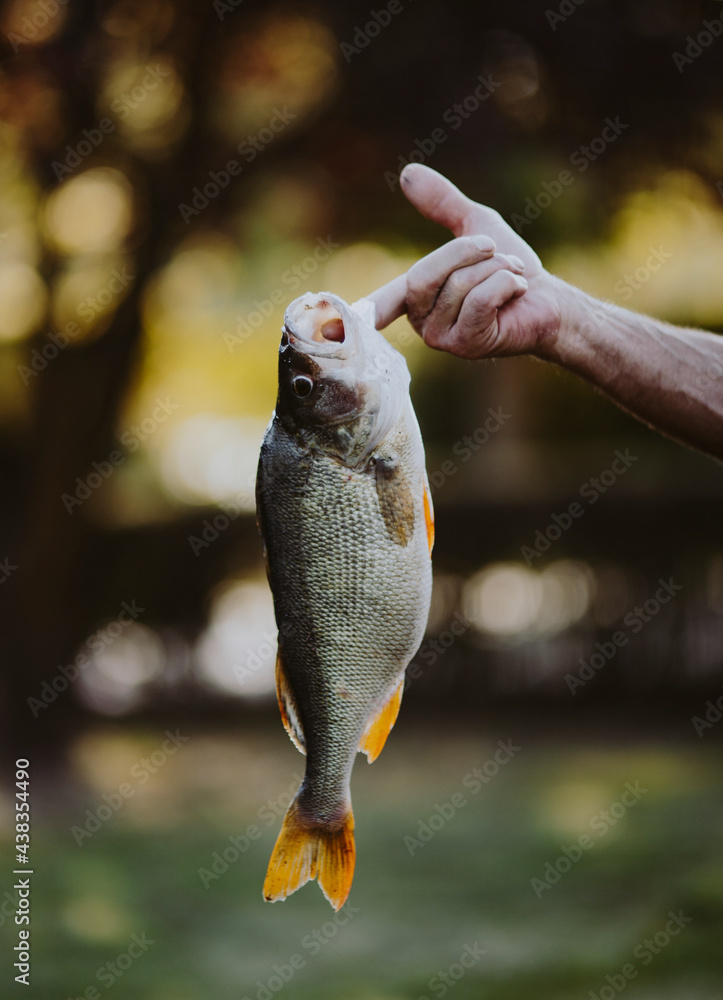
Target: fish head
[{"x": 342, "y": 386}]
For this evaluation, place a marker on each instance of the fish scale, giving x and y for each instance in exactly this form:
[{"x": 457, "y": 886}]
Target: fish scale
[{"x": 344, "y": 511}]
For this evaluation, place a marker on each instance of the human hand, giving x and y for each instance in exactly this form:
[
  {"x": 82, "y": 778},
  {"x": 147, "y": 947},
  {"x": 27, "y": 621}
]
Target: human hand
[{"x": 483, "y": 294}]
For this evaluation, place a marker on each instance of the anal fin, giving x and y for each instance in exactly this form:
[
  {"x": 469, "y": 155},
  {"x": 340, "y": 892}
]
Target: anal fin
[
  {"x": 287, "y": 707},
  {"x": 379, "y": 727}
]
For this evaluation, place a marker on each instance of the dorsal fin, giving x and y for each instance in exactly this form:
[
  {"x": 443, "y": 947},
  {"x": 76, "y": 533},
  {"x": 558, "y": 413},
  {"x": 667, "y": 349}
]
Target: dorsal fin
[
  {"x": 380, "y": 726},
  {"x": 287, "y": 706}
]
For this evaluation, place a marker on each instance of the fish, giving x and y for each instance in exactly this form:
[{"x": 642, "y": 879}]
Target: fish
[{"x": 345, "y": 515}]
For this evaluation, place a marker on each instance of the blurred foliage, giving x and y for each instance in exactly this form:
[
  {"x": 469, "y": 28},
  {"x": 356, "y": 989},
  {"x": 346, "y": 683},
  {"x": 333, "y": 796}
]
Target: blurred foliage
[
  {"x": 172, "y": 174},
  {"x": 410, "y": 915}
]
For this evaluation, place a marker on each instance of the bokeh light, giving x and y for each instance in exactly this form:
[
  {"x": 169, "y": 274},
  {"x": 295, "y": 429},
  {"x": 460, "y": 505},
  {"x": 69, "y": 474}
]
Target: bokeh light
[
  {"x": 287, "y": 61},
  {"x": 237, "y": 652},
  {"x": 30, "y": 22},
  {"x": 124, "y": 657},
  {"x": 22, "y": 300},
  {"x": 210, "y": 459},
  {"x": 90, "y": 213},
  {"x": 509, "y": 599},
  {"x": 146, "y": 101}
]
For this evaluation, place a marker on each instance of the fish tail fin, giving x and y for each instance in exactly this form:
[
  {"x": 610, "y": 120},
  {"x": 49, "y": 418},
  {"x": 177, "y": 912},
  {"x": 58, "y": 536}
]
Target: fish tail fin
[{"x": 306, "y": 850}]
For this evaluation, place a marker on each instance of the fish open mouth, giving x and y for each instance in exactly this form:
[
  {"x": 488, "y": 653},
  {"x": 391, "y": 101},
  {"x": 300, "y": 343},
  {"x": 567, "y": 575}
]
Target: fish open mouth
[{"x": 319, "y": 321}]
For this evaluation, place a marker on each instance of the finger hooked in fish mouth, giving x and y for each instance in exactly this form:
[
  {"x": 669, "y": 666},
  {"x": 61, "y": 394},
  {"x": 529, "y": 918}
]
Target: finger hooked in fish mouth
[
  {"x": 325, "y": 323},
  {"x": 332, "y": 329}
]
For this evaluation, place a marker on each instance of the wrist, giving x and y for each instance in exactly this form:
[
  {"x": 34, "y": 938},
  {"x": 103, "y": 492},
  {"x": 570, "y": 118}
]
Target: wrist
[{"x": 576, "y": 314}]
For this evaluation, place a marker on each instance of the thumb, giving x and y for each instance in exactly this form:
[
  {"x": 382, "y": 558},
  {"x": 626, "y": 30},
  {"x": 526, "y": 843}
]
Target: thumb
[{"x": 439, "y": 200}]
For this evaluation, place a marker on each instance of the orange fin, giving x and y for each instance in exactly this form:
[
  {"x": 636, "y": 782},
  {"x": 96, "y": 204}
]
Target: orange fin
[
  {"x": 429, "y": 516},
  {"x": 304, "y": 852},
  {"x": 378, "y": 728},
  {"x": 287, "y": 707}
]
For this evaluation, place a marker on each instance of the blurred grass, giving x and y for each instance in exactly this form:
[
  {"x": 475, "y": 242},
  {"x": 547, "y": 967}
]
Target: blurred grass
[{"x": 410, "y": 916}]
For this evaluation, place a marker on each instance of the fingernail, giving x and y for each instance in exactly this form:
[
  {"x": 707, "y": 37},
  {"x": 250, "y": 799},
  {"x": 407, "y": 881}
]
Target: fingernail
[
  {"x": 517, "y": 261},
  {"x": 407, "y": 171},
  {"x": 484, "y": 243},
  {"x": 522, "y": 282}
]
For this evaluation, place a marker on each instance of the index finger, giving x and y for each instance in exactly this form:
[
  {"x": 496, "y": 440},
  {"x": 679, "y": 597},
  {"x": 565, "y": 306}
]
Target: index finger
[
  {"x": 390, "y": 301},
  {"x": 427, "y": 276}
]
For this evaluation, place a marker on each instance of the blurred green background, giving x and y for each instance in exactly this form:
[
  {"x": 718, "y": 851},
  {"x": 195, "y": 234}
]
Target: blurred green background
[{"x": 172, "y": 175}]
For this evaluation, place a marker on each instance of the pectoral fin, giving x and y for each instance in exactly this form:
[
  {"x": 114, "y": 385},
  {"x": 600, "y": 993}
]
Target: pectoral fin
[
  {"x": 395, "y": 499},
  {"x": 287, "y": 707},
  {"x": 380, "y": 726},
  {"x": 429, "y": 515}
]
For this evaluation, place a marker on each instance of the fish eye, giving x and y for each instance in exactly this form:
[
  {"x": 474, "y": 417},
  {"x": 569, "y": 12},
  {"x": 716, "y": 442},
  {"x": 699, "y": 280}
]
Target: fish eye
[{"x": 302, "y": 385}]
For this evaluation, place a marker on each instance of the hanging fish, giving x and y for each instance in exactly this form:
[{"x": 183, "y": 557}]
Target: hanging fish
[{"x": 345, "y": 513}]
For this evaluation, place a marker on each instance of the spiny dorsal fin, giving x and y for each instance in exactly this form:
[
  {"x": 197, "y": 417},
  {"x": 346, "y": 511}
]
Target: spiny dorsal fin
[
  {"x": 395, "y": 499},
  {"x": 380, "y": 726},
  {"x": 287, "y": 707}
]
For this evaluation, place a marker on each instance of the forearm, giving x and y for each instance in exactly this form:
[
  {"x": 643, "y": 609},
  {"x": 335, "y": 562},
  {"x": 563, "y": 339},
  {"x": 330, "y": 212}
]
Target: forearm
[{"x": 670, "y": 378}]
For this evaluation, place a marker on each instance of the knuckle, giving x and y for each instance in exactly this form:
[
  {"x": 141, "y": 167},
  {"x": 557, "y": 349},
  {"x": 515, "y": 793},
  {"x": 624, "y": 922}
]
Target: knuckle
[
  {"x": 417, "y": 280},
  {"x": 479, "y": 297},
  {"x": 432, "y": 337},
  {"x": 456, "y": 285}
]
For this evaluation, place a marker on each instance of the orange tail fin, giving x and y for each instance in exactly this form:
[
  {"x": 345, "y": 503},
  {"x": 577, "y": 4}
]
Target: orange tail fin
[{"x": 304, "y": 852}]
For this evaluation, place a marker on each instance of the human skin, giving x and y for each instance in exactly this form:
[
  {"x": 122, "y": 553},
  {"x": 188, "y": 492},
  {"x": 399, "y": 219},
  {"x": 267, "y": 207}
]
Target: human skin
[{"x": 485, "y": 294}]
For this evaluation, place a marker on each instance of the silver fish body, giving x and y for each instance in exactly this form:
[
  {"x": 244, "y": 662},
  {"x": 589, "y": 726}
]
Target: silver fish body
[{"x": 345, "y": 514}]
